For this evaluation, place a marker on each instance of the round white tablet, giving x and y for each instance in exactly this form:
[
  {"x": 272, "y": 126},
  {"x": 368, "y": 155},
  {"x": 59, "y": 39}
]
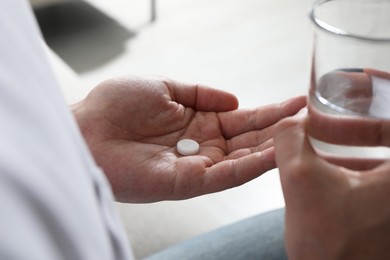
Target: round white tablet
[{"x": 187, "y": 147}]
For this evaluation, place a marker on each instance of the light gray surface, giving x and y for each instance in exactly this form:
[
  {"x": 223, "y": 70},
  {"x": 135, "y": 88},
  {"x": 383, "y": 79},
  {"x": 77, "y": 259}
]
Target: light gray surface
[{"x": 40, "y": 3}]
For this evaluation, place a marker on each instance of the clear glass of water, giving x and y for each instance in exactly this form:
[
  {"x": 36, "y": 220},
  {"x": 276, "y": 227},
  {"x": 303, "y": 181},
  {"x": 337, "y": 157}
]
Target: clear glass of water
[{"x": 349, "y": 97}]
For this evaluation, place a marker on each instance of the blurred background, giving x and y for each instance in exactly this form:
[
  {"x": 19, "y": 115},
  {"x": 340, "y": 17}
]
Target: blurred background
[{"x": 257, "y": 49}]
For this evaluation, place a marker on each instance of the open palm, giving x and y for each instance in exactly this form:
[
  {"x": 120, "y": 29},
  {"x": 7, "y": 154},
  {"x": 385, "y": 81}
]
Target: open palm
[{"x": 132, "y": 126}]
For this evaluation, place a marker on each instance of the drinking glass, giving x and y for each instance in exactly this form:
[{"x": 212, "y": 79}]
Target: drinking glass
[{"x": 349, "y": 96}]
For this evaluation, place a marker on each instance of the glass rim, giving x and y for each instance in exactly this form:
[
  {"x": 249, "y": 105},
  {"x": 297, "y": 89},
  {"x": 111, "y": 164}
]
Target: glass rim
[{"x": 337, "y": 31}]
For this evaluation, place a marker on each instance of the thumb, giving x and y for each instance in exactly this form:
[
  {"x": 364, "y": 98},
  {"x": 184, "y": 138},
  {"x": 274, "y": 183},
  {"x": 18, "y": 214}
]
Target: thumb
[
  {"x": 292, "y": 147},
  {"x": 302, "y": 171}
]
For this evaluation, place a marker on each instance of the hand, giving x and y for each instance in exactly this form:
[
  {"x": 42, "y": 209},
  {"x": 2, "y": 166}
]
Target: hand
[
  {"x": 331, "y": 212},
  {"x": 132, "y": 126}
]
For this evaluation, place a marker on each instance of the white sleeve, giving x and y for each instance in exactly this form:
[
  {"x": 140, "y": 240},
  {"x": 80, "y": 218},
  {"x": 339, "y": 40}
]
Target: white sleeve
[{"x": 55, "y": 202}]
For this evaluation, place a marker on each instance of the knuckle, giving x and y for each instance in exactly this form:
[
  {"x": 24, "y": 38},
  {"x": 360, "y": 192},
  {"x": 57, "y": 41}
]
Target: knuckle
[
  {"x": 298, "y": 170},
  {"x": 287, "y": 124}
]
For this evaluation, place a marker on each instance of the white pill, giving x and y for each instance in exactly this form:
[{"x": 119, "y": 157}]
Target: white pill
[{"x": 187, "y": 147}]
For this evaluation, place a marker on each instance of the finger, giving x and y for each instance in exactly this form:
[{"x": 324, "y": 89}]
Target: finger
[
  {"x": 357, "y": 84},
  {"x": 251, "y": 139},
  {"x": 231, "y": 173},
  {"x": 241, "y": 121},
  {"x": 351, "y": 163},
  {"x": 292, "y": 146},
  {"x": 348, "y": 130},
  {"x": 264, "y": 146},
  {"x": 355, "y": 164},
  {"x": 377, "y": 73},
  {"x": 245, "y": 151},
  {"x": 201, "y": 98},
  {"x": 381, "y": 173}
]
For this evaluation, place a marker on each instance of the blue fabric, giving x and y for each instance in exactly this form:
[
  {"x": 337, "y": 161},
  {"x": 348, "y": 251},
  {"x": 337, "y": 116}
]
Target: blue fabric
[{"x": 259, "y": 237}]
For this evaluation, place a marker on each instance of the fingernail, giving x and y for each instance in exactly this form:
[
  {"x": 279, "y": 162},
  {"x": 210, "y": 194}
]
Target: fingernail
[{"x": 302, "y": 113}]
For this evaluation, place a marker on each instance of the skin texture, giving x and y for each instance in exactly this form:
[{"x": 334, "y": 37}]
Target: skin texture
[
  {"x": 132, "y": 125},
  {"x": 335, "y": 208}
]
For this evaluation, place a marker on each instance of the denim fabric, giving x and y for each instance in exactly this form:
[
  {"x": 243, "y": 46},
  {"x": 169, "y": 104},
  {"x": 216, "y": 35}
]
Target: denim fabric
[{"x": 259, "y": 237}]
